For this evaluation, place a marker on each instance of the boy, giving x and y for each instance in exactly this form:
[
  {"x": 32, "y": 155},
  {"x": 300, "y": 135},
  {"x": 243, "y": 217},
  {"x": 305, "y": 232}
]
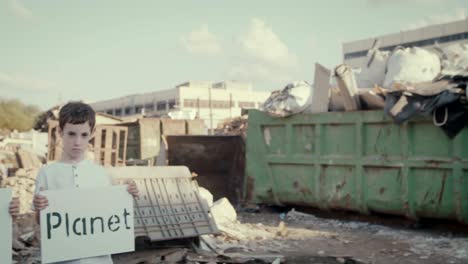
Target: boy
[{"x": 73, "y": 171}]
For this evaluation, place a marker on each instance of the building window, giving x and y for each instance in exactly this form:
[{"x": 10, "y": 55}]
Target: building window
[
  {"x": 220, "y": 104},
  {"x": 127, "y": 110},
  {"x": 172, "y": 103},
  {"x": 138, "y": 109},
  {"x": 118, "y": 112},
  {"x": 161, "y": 106},
  {"x": 149, "y": 107},
  {"x": 246, "y": 104},
  {"x": 190, "y": 103},
  {"x": 109, "y": 112},
  {"x": 204, "y": 104}
]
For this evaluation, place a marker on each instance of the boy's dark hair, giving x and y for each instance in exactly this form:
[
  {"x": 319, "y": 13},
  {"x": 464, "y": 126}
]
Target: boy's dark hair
[{"x": 77, "y": 113}]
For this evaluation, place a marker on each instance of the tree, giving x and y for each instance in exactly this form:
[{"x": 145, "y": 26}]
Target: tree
[{"x": 16, "y": 115}]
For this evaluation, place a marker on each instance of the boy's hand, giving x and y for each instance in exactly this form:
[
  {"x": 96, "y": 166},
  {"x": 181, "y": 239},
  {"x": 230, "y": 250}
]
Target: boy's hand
[
  {"x": 14, "y": 208},
  {"x": 132, "y": 188},
  {"x": 40, "y": 201}
]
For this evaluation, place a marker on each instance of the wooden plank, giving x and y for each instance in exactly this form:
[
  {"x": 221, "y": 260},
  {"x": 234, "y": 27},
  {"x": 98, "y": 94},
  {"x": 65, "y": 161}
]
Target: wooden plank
[
  {"x": 108, "y": 147},
  {"x": 372, "y": 99},
  {"x": 173, "y": 127},
  {"x": 122, "y": 155},
  {"x": 426, "y": 88},
  {"x": 348, "y": 87},
  {"x": 119, "y": 163},
  {"x": 321, "y": 91},
  {"x": 150, "y": 131},
  {"x": 97, "y": 145}
]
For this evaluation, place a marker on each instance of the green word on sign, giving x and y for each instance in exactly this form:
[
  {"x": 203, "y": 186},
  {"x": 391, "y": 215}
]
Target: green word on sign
[{"x": 82, "y": 226}]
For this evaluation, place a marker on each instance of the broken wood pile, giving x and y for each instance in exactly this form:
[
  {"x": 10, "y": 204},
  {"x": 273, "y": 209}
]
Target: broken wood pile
[
  {"x": 233, "y": 127},
  {"x": 27, "y": 159}
]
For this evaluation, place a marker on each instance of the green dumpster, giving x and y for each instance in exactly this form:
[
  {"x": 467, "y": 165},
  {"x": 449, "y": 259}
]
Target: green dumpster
[{"x": 359, "y": 161}]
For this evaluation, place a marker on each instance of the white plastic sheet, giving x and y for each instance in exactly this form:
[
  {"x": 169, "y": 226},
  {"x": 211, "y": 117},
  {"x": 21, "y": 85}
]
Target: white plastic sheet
[
  {"x": 293, "y": 99},
  {"x": 411, "y": 65},
  {"x": 455, "y": 59},
  {"x": 373, "y": 72}
]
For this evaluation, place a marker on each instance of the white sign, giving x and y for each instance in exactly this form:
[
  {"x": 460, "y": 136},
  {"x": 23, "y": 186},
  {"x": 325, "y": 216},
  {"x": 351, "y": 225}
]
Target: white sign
[
  {"x": 85, "y": 223},
  {"x": 5, "y": 227}
]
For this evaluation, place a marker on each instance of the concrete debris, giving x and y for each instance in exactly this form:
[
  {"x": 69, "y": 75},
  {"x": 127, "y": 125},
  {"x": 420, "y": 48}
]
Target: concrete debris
[
  {"x": 234, "y": 258},
  {"x": 336, "y": 103},
  {"x": 223, "y": 212},
  {"x": 27, "y": 159},
  {"x": 348, "y": 87},
  {"x": 372, "y": 98},
  {"x": 23, "y": 185},
  {"x": 32, "y": 141},
  {"x": 282, "y": 231},
  {"x": 276, "y": 261},
  {"x": 321, "y": 91},
  {"x": 160, "y": 256},
  {"x": 205, "y": 194},
  {"x": 30, "y": 255},
  {"x": 176, "y": 256}
]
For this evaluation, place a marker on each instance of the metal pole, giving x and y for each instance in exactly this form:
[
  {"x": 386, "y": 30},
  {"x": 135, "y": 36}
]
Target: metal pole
[
  {"x": 198, "y": 107},
  {"x": 230, "y": 105},
  {"x": 211, "y": 111}
]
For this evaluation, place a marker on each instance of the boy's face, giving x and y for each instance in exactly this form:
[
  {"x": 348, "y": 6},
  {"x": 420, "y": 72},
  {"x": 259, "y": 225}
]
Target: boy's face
[{"x": 75, "y": 139}]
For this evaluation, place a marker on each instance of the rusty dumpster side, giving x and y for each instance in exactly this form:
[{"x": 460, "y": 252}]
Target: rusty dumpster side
[
  {"x": 358, "y": 161},
  {"x": 217, "y": 160}
]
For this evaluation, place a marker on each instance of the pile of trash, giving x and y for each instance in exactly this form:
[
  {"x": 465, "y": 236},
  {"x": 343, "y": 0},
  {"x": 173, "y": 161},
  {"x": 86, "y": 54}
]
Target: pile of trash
[
  {"x": 26, "y": 238},
  {"x": 235, "y": 236},
  {"x": 23, "y": 186},
  {"x": 233, "y": 127},
  {"x": 21, "y": 156},
  {"x": 405, "y": 83},
  {"x": 293, "y": 99}
]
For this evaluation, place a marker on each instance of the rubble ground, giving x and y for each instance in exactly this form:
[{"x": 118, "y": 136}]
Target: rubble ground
[
  {"x": 273, "y": 236},
  {"x": 296, "y": 237},
  {"x": 308, "y": 235}
]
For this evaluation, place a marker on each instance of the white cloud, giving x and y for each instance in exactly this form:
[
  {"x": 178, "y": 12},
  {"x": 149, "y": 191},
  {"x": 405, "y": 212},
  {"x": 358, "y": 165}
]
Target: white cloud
[
  {"x": 21, "y": 82},
  {"x": 262, "y": 43},
  {"x": 201, "y": 41},
  {"x": 459, "y": 14},
  {"x": 20, "y": 10}
]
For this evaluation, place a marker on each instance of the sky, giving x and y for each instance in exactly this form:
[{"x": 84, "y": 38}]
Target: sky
[{"x": 53, "y": 51}]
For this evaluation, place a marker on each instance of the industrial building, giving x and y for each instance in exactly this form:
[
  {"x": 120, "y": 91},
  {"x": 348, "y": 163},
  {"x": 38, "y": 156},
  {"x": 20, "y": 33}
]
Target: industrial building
[
  {"x": 212, "y": 102},
  {"x": 442, "y": 34}
]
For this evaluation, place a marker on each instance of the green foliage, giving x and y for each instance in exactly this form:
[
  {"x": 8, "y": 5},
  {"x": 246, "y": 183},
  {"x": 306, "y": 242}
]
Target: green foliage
[{"x": 16, "y": 115}]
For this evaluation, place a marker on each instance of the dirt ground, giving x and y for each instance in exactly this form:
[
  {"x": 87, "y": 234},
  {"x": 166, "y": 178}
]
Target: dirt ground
[
  {"x": 307, "y": 235},
  {"x": 304, "y": 238}
]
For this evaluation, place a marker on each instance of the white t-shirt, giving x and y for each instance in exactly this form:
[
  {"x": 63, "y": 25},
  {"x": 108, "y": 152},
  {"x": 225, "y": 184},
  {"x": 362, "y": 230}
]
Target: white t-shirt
[{"x": 85, "y": 174}]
